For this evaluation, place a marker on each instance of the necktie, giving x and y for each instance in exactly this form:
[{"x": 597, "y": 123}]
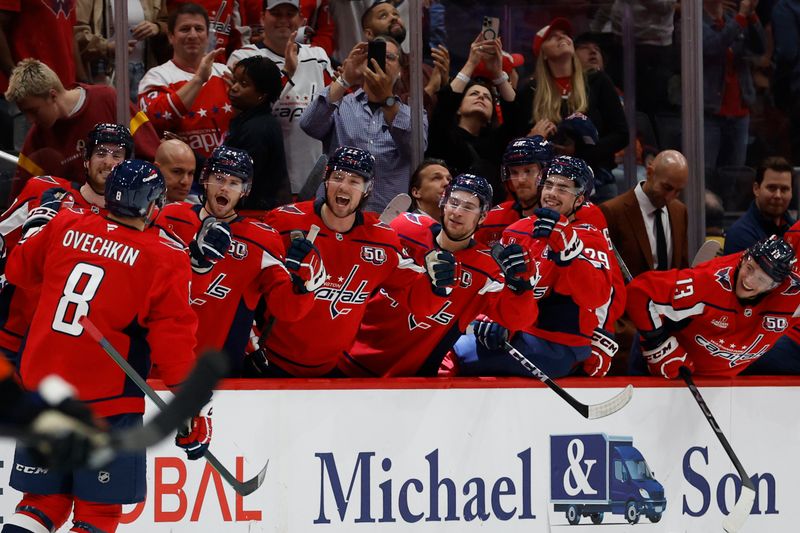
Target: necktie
[{"x": 661, "y": 241}]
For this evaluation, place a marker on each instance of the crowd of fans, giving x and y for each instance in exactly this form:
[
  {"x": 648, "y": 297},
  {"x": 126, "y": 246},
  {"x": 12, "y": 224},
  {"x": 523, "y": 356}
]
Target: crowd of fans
[{"x": 290, "y": 81}]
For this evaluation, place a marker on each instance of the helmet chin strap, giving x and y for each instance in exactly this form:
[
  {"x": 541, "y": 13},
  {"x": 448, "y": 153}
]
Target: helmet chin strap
[{"x": 449, "y": 236}]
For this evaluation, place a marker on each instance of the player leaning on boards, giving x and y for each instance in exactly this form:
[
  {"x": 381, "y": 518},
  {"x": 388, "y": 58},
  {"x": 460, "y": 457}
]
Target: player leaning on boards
[
  {"x": 236, "y": 259},
  {"x": 135, "y": 286},
  {"x": 392, "y": 341},
  {"x": 361, "y": 255},
  {"x": 576, "y": 280},
  {"x": 719, "y": 317}
]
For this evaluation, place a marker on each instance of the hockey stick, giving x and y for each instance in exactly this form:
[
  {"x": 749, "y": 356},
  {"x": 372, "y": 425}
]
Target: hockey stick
[
  {"x": 309, "y": 189},
  {"x": 591, "y": 412},
  {"x": 396, "y": 206},
  {"x": 736, "y": 518},
  {"x": 707, "y": 252},
  {"x": 626, "y": 274},
  {"x": 190, "y": 398},
  {"x": 242, "y": 487}
]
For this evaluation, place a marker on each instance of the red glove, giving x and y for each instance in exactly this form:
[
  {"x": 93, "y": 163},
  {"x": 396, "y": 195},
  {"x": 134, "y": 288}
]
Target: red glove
[
  {"x": 560, "y": 235},
  {"x": 604, "y": 348},
  {"x": 667, "y": 358},
  {"x": 196, "y": 437}
]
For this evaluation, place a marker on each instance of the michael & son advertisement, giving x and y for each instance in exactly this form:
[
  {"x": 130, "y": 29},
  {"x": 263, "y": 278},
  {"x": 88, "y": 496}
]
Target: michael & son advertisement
[{"x": 459, "y": 456}]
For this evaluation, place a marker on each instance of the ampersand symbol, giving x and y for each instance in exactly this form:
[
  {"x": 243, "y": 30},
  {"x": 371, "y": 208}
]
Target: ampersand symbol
[{"x": 575, "y": 473}]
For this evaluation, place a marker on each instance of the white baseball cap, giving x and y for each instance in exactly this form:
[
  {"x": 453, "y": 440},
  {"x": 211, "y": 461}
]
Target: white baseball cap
[{"x": 275, "y": 3}]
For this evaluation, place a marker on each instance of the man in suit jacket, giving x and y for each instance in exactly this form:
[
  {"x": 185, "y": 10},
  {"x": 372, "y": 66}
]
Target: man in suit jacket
[{"x": 632, "y": 227}]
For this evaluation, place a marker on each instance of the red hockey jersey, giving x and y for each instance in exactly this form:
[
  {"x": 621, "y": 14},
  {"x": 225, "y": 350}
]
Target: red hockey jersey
[
  {"x": 568, "y": 296},
  {"x": 133, "y": 285},
  {"x": 204, "y": 126},
  {"x": 225, "y": 298},
  {"x": 17, "y": 304},
  {"x": 721, "y": 334},
  {"x": 358, "y": 263},
  {"x": 392, "y": 341}
]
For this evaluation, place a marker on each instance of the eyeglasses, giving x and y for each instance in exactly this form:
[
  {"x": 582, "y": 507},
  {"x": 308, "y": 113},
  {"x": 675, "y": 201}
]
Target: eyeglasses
[
  {"x": 454, "y": 203},
  {"x": 118, "y": 154},
  {"x": 229, "y": 182},
  {"x": 559, "y": 188}
]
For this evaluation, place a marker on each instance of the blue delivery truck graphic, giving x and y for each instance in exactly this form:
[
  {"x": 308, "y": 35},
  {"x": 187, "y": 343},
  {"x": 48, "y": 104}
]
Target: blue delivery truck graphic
[{"x": 593, "y": 474}]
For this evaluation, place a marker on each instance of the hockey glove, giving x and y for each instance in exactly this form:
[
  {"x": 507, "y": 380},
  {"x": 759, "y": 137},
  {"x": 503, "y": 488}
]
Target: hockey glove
[
  {"x": 564, "y": 243},
  {"x": 442, "y": 269},
  {"x": 210, "y": 244},
  {"x": 305, "y": 265},
  {"x": 196, "y": 436},
  {"x": 667, "y": 358},
  {"x": 604, "y": 348},
  {"x": 490, "y": 335},
  {"x": 49, "y": 204},
  {"x": 63, "y": 430},
  {"x": 517, "y": 265}
]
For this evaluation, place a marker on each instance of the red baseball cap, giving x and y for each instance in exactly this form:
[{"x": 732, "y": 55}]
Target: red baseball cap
[
  {"x": 541, "y": 36},
  {"x": 510, "y": 61}
]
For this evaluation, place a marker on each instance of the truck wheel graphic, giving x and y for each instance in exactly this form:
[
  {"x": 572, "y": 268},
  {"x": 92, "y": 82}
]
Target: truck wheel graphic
[
  {"x": 631, "y": 513},
  {"x": 655, "y": 517},
  {"x": 573, "y": 514},
  {"x": 597, "y": 518}
]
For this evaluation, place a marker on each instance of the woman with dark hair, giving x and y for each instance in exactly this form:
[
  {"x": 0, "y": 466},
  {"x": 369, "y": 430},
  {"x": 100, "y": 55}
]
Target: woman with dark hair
[
  {"x": 256, "y": 86},
  {"x": 464, "y": 128}
]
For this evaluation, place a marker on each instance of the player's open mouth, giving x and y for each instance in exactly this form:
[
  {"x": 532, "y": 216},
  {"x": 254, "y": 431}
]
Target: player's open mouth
[
  {"x": 746, "y": 287},
  {"x": 222, "y": 201},
  {"x": 343, "y": 201}
]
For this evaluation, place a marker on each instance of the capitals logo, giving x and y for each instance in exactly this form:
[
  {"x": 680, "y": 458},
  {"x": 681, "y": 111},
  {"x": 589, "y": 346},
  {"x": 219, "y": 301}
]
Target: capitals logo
[
  {"x": 723, "y": 277},
  {"x": 60, "y": 7},
  {"x": 732, "y": 352},
  {"x": 341, "y": 293},
  {"x": 794, "y": 286}
]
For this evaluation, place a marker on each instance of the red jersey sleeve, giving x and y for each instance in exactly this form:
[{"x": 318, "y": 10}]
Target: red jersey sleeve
[{"x": 145, "y": 137}]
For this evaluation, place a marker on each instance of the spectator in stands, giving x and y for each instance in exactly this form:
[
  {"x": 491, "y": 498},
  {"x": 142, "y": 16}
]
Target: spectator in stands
[
  {"x": 427, "y": 186},
  {"x": 464, "y": 130},
  {"x": 347, "y": 18},
  {"x": 382, "y": 19},
  {"x": 786, "y": 32},
  {"x": 256, "y": 86},
  {"x": 559, "y": 89},
  {"x": 371, "y": 118},
  {"x": 769, "y": 212},
  {"x": 34, "y": 29},
  {"x": 62, "y": 119},
  {"x": 222, "y": 17},
  {"x": 307, "y": 71},
  {"x": 177, "y": 163},
  {"x": 94, "y": 37},
  {"x": 730, "y": 39},
  {"x": 187, "y": 95}
]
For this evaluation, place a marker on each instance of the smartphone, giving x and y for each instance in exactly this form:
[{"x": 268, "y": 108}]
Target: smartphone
[
  {"x": 376, "y": 50},
  {"x": 490, "y": 28}
]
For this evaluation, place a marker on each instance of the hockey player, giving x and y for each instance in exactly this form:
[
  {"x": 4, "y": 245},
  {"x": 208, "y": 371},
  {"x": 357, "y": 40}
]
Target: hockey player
[
  {"x": 523, "y": 163},
  {"x": 135, "y": 287},
  {"x": 392, "y": 341},
  {"x": 235, "y": 259},
  {"x": 106, "y": 146},
  {"x": 361, "y": 255},
  {"x": 719, "y": 317},
  {"x": 575, "y": 280}
]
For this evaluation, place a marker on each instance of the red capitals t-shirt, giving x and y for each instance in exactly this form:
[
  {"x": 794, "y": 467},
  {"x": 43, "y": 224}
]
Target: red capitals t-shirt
[{"x": 42, "y": 29}]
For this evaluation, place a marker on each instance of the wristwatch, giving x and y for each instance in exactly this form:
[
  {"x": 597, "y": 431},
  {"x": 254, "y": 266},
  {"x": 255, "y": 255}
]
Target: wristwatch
[{"x": 390, "y": 101}]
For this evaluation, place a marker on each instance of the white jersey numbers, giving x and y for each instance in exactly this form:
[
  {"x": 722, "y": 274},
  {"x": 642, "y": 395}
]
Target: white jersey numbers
[{"x": 79, "y": 290}]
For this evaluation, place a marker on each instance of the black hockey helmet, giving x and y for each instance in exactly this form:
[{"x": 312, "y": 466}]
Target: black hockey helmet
[
  {"x": 472, "y": 184},
  {"x": 107, "y": 132},
  {"x": 133, "y": 187},
  {"x": 775, "y": 257},
  {"x": 232, "y": 162},
  {"x": 526, "y": 151},
  {"x": 354, "y": 160},
  {"x": 572, "y": 168}
]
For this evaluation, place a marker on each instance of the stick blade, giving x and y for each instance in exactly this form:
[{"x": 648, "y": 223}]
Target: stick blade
[
  {"x": 251, "y": 485},
  {"x": 738, "y": 515},
  {"x": 399, "y": 204},
  {"x": 707, "y": 252},
  {"x": 612, "y": 405}
]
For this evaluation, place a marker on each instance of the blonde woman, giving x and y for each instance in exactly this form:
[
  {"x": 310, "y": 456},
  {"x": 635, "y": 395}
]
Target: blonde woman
[{"x": 560, "y": 88}]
